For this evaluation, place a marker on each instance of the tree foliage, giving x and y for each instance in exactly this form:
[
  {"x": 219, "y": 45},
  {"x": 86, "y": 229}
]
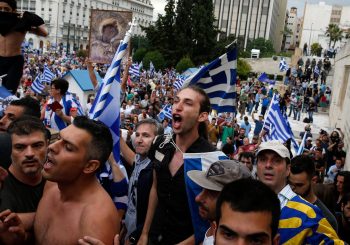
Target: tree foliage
[
  {"x": 243, "y": 69},
  {"x": 265, "y": 46},
  {"x": 157, "y": 59},
  {"x": 184, "y": 64},
  {"x": 186, "y": 30},
  {"x": 316, "y": 49},
  {"x": 139, "y": 54},
  {"x": 334, "y": 33}
]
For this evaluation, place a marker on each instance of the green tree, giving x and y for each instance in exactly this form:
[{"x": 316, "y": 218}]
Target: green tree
[
  {"x": 138, "y": 42},
  {"x": 184, "y": 64},
  {"x": 243, "y": 69},
  {"x": 183, "y": 28},
  {"x": 157, "y": 59},
  {"x": 139, "y": 54},
  {"x": 204, "y": 32},
  {"x": 334, "y": 33},
  {"x": 316, "y": 49},
  {"x": 265, "y": 46},
  {"x": 82, "y": 53}
]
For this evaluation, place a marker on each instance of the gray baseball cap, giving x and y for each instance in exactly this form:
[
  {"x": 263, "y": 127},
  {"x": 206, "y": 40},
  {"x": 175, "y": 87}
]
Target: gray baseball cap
[{"x": 219, "y": 174}]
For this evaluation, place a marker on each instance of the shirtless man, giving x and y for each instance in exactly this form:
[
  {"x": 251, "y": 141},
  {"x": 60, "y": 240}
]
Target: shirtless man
[
  {"x": 76, "y": 205},
  {"x": 12, "y": 32}
]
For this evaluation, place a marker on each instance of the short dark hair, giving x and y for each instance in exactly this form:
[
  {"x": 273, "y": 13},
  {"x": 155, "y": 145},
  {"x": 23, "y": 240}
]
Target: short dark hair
[
  {"x": 157, "y": 126},
  {"x": 11, "y": 3},
  {"x": 101, "y": 143},
  {"x": 247, "y": 154},
  {"x": 26, "y": 125},
  {"x": 31, "y": 106},
  {"x": 303, "y": 163},
  {"x": 249, "y": 195},
  {"x": 61, "y": 84}
]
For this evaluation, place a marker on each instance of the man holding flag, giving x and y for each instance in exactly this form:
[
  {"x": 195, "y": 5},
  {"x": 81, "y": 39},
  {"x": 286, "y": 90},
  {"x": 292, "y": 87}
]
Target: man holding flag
[{"x": 168, "y": 208}]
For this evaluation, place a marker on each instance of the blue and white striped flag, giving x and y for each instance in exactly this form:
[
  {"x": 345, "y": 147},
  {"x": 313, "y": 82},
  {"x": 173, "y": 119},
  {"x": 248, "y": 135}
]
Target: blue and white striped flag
[
  {"x": 165, "y": 113},
  {"x": 151, "y": 68},
  {"x": 72, "y": 97},
  {"x": 218, "y": 79},
  {"x": 106, "y": 107},
  {"x": 198, "y": 161},
  {"x": 47, "y": 75},
  {"x": 283, "y": 65},
  {"x": 276, "y": 126},
  {"x": 302, "y": 145},
  {"x": 316, "y": 71},
  {"x": 37, "y": 86},
  {"x": 179, "y": 82},
  {"x": 134, "y": 70}
]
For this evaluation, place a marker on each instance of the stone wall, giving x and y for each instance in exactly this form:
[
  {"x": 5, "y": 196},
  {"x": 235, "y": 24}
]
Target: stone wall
[{"x": 339, "y": 113}]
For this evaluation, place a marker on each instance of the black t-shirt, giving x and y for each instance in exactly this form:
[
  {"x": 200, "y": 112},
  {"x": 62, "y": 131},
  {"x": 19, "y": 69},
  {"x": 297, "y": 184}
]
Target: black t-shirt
[
  {"x": 172, "y": 220},
  {"x": 20, "y": 197},
  {"x": 5, "y": 150}
]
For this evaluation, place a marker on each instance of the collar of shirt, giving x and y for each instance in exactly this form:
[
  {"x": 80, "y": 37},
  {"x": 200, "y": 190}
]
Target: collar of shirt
[{"x": 285, "y": 195}]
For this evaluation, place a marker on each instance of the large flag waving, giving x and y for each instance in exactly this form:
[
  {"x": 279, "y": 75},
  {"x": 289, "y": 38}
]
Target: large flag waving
[
  {"x": 218, "y": 79},
  {"x": 198, "y": 161},
  {"x": 106, "y": 106},
  {"x": 37, "y": 86},
  {"x": 276, "y": 125},
  {"x": 134, "y": 70},
  {"x": 47, "y": 75}
]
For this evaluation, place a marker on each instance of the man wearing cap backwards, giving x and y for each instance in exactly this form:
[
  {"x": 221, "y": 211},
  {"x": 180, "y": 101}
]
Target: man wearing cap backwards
[
  {"x": 300, "y": 221},
  {"x": 213, "y": 181}
]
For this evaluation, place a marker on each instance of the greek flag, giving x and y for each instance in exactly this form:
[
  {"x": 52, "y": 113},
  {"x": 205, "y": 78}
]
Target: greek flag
[
  {"x": 47, "y": 75},
  {"x": 218, "y": 79},
  {"x": 179, "y": 82},
  {"x": 316, "y": 71},
  {"x": 198, "y": 161},
  {"x": 74, "y": 98},
  {"x": 276, "y": 126},
  {"x": 134, "y": 70},
  {"x": 37, "y": 86},
  {"x": 106, "y": 106},
  {"x": 283, "y": 65},
  {"x": 302, "y": 145},
  {"x": 165, "y": 113},
  {"x": 151, "y": 68}
]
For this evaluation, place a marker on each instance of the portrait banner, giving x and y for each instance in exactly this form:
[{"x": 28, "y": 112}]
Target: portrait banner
[{"x": 107, "y": 29}]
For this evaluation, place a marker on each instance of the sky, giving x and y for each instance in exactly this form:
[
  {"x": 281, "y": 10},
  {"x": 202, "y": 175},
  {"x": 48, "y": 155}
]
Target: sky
[
  {"x": 159, "y": 5},
  {"x": 299, "y": 4}
]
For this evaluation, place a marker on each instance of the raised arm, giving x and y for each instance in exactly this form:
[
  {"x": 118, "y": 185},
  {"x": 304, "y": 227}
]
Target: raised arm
[
  {"x": 39, "y": 30},
  {"x": 127, "y": 153},
  {"x": 92, "y": 74}
]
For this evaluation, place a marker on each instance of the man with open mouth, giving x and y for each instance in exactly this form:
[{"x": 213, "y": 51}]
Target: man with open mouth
[{"x": 168, "y": 219}]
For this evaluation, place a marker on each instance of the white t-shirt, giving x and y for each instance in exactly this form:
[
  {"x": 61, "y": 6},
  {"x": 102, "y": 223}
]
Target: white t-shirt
[{"x": 208, "y": 240}]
